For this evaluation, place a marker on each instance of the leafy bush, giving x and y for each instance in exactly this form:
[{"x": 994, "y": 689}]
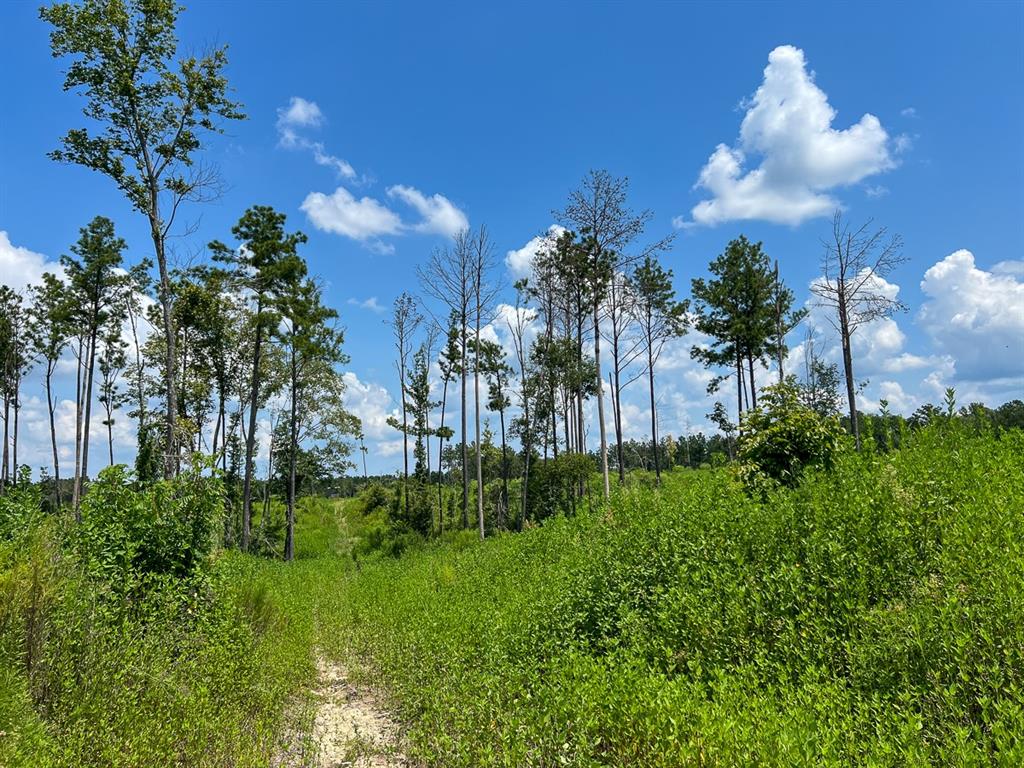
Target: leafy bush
[
  {"x": 782, "y": 437},
  {"x": 129, "y": 536}
]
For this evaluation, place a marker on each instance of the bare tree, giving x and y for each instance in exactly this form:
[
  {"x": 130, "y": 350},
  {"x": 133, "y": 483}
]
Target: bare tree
[
  {"x": 447, "y": 277},
  {"x": 854, "y": 266},
  {"x": 627, "y": 346},
  {"x": 405, "y": 319},
  {"x": 482, "y": 263},
  {"x": 597, "y": 211}
]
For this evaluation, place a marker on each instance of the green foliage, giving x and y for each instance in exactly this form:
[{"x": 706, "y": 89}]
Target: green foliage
[
  {"x": 782, "y": 437},
  {"x": 868, "y": 616},
  {"x": 129, "y": 536}
]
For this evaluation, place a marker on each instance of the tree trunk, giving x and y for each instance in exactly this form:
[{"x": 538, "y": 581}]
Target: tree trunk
[
  {"x": 504, "y": 471},
  {"x": 88, "y": 413},
  {"x": 289, "y": 539},
  {"x": 75, "y": 484},
  {"x": 617, "y": 407},
  {"x": 654, "y": 414},
  {"x": 7, "y": 434},
  {"x": 600, "y": 400},
  {"x": 739, "y": 390},
  {"x": 17, "y": 409},
  {"x": 844, "y": 333},
  {"x": 476, "y": 395},
  {"x": 53, "y": 433},
  {"x": 465, "y": 448},
  {"x": 250, "y": 437},
  {"x": 753, "y": 389},
  {"x": 440, "y": 454},
  {"x": 110, "y": 438},
  {"x": 166, "y": 303},
  {"x": 405, "y": 434}
]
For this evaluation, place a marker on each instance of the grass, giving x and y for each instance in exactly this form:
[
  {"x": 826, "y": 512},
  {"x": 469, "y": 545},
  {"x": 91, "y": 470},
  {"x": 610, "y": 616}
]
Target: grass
[{"x": 871, "y": 616}]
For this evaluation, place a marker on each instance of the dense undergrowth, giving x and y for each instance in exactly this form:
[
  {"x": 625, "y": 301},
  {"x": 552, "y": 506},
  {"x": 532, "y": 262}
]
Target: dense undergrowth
[
  {"x": 870, "y": 615},
  {"x": 123, "y": 642}
]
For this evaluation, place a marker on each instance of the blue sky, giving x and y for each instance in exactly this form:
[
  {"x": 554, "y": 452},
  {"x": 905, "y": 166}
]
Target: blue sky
[{"x": 500, "y": 110}]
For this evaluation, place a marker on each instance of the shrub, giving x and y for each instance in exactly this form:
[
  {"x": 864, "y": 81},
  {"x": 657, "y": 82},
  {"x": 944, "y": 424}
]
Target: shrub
[
  {"x": 782, "y": 437},
  {"x": 128, "y": 536}
]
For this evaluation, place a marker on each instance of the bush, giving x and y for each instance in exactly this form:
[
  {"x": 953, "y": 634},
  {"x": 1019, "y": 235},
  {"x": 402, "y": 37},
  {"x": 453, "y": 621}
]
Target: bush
[
  {"x": 782, "y": 437},
  {"x": 129, "y": 536}
]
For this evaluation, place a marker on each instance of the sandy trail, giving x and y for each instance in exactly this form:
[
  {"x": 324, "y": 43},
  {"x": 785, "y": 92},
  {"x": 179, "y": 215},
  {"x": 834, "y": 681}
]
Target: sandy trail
[{"x": 350, "y": 728}]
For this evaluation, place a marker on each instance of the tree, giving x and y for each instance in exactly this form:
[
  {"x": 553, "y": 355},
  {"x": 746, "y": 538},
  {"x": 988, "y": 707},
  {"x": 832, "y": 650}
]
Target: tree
[
  {"x": 151, "y": 111},
  {"x": 497, "y": 372},
  {"x": 96, "y": 283},
  {"x": 265, "y": 263},
  {"x": 15, "y": 359},
  {"x": 660, "y": 318},
  {"x": 853, "y": 288},
  {"x": 49, "y": 328},
  {"x": 482, "y": 263},
  {"x": 448, "y": 277},
  {"x": 597, "y": 210},
  {"x": 313, "y": 349},
  {"x": 113, "y": 361},
  {"x": 736, "y": 309},
  {"x": 449, "y": 363},
  {"x": 786, "y": 319},
  {"x": 523, "y": 425},
  {"x": 626, "y": 348},
  {"x": 405, "y": 319},
  {"x": 820, "y": 388},
  {"x": 720, "y": 418}
]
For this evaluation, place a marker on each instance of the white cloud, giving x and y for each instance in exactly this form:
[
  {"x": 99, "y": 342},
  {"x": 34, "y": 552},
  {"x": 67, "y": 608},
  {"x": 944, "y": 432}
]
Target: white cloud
[
  {"x": 341, "y": 213},
  {"x": 1010, "y": 267},
  {"x": 876, "y": 190},
  {"x": 300, "y": 114},
  {"x": 520, "y": 261},
  {"x": 438, "y": 214},
  {"x": 908, "y": 112},
  {"x": 372, "y": 404},
  {"x": 371, "y": 304},
  {"x": 788, "y": 125},
  {"x": 21, "y": 267},
  {"x": 976, "y": 316}
]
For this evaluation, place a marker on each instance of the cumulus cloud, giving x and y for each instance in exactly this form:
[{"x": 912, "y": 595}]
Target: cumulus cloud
[
  {"x": 976, "y": 316},
  {"x": 302, "y": 114},
  {"x": 438, "y": 215},
  {"x": 366, "y": 219},
  {"x": 372, "y": 404},
  {"x": 371, "y": 304},
  {"x": 343, "y": 214},
  {"x": 21, "y": 267},
  {"x": 520, "y": 261},
  {"x": 788, "y": 125}
]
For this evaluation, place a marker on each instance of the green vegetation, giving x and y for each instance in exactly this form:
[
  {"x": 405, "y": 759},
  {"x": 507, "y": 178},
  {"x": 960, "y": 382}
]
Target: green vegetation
[{"x": 869, "y": 614}]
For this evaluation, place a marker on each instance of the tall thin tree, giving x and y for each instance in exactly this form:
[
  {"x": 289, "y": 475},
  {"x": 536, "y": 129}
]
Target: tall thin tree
[
  {"x": 151, "y": 109},
  {"x": 853, "y": 288}
]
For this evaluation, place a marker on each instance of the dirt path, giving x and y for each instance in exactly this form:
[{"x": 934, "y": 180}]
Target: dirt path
[{"x": 349, "y": 727}]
